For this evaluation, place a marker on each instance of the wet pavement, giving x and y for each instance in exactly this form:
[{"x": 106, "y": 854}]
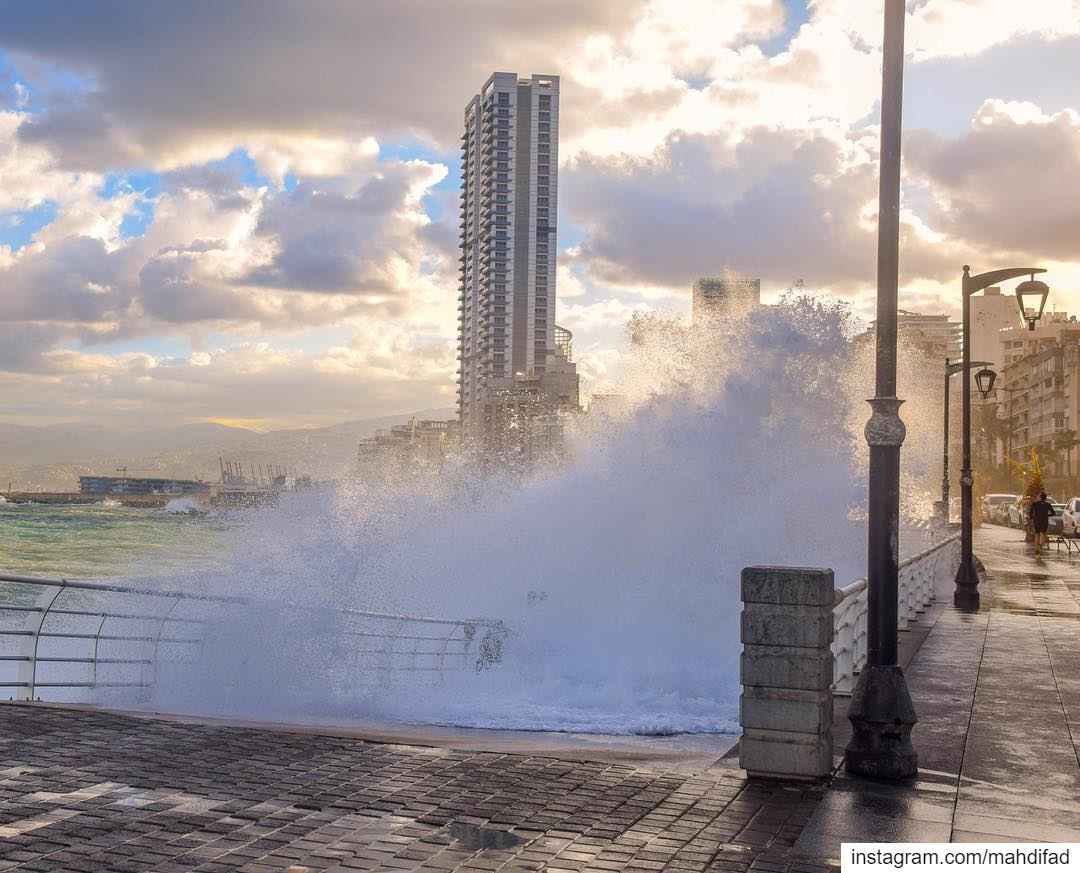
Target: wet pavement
[
  {"x": 998, "y": 698},
  {"x": 91, "y": 791}
]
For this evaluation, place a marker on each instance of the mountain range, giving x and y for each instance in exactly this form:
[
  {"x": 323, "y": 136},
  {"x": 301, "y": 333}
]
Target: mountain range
[{"x": 52, "y": 457}]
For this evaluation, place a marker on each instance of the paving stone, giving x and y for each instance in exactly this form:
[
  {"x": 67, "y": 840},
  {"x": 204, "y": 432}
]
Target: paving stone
[{"x": 130, "y": 795}]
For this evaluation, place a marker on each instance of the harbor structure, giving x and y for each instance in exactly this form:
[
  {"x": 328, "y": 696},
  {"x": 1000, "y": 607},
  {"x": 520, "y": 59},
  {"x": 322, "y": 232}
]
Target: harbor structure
[
  {"x": 106, "y": 485},
  {"x": 508, "y": 343}
]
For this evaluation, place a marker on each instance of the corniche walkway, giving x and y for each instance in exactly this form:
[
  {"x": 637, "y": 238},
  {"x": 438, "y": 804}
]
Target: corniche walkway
[{"x": 997, "y": 692}]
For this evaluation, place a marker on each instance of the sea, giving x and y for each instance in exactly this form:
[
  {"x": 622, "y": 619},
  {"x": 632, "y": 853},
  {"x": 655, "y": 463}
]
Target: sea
[{"x": 107, "y": 540}]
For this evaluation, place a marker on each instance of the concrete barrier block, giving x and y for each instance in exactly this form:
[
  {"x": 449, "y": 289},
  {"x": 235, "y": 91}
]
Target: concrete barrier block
[
  {"x": 785, "y": 755},
  {"x": 783, "y": 709},
  {"x": 769, "y": 624},
  {"x": 786, "y": 667},
  {"x": 795, "y": 586}
]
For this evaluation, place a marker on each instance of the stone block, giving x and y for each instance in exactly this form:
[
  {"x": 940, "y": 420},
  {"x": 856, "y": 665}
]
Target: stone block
[
  {"x": 769, "y": 624},
  {"x": 786, "y": 667},
  {"x": 795, "y": 586},
  {"x": 785, "y": 755},
  {"x": 782, "y": 709}
]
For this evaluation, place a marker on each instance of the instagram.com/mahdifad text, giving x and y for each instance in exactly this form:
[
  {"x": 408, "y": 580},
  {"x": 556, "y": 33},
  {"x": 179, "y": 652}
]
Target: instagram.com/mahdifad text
[{"x": 955, "y": 857}]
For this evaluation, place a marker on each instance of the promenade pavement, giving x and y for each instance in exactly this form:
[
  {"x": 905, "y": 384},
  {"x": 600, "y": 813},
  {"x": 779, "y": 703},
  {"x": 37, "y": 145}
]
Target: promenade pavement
[{"x": 997, "y": 692}]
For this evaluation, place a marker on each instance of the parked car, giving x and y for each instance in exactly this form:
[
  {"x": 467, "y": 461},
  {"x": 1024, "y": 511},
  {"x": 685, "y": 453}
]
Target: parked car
[
  {"x": 1001, "y": 512},
  {"x": 991, "y": 502},
  {"x": 1070, "y": 518},
  {"x": 1053, "y": 524},
  {"x": 1017, "y": 515}
]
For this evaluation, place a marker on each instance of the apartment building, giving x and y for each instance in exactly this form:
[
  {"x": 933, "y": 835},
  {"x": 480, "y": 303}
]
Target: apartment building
[
  {"x": 1039, "y": 392},
  {"x": 509, "y": 197}
]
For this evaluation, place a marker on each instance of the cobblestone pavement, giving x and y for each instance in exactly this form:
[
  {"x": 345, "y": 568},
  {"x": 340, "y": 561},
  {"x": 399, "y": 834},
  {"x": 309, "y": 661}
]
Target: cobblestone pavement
[{"x": 95, "y": 791}]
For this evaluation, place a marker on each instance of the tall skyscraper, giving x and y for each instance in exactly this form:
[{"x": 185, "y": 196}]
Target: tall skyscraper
[
  {"x": 509, "y": 192},
  {"x": 715, "y": 296}
]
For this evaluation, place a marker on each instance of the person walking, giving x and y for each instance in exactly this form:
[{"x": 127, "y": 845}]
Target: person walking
[{"x": 1040, "y": 513}]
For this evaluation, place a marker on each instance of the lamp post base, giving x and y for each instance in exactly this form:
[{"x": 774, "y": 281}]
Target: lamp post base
[
  {"x": 881, "y": 716},
  {"x": 966, "y": 595}
]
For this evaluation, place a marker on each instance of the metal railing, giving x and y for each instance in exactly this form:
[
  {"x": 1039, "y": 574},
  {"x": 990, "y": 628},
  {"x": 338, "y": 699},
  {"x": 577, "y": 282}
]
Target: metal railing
[
  {"x": 917, "y": 584},
  {"x": 65, "y": 637}
]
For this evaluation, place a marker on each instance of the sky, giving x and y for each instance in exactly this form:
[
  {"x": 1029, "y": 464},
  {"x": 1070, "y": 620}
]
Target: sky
[{"x": 246, "y": 212}]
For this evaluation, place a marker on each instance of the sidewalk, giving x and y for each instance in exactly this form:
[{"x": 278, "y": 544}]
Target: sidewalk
[{"x": 998, "y": 698}]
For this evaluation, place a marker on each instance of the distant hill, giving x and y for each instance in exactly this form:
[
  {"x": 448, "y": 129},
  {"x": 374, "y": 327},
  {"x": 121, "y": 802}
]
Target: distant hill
[{"x": 52, "y": 457}]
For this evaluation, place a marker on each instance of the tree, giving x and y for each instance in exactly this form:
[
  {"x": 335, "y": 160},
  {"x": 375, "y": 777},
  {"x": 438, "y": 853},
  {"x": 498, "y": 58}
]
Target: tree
[{"x": 1033, "y": 487}]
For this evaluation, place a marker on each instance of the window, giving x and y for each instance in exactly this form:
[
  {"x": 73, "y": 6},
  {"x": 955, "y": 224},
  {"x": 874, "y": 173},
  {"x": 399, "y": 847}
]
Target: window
[{"x": 504, "y": 98}]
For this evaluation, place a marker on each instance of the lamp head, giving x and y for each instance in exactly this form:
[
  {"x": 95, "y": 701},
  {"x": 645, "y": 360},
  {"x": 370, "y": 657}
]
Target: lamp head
[
  {"x": 984, "y": 381},
  {"x": 1036, "y": 292}
]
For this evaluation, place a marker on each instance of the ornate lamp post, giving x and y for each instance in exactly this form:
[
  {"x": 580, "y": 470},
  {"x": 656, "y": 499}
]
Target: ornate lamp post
[
  {"x": 950, "y": 371},
  {"x": 967, "y": 581},
  {"x": 881, "y": 712}
]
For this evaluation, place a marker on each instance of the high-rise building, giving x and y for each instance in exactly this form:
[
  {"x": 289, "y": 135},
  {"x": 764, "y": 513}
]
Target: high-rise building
[
  {"x": 991, "y": 313},
  {"x": 509, "y": 192},
  {"x": 717, "y": 296}
]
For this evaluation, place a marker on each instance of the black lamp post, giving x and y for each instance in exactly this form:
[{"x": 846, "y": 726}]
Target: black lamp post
[
  {"x": 950, "y": 371},
  {"x": 881, "y": 711},
  {"x": 967, "y": 581}
]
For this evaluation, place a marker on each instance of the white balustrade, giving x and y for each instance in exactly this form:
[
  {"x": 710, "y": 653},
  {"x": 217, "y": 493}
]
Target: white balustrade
[{"x": 917, "y": 583}]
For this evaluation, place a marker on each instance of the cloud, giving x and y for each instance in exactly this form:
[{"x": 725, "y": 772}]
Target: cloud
[
  {"x": 697, "y": 136},
  {"x": 1005, "y": 185},
  {"x": 177, "y": 84},
  {"x": 779, "y": 206},
  {"x": 347, "y": 242},
  {"x": 229, "y": 382}
]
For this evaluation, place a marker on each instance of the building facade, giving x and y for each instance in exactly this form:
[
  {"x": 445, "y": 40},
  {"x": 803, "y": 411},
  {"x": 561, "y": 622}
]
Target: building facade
[
  {"x": 412, "y": 446},
  {"x": 509, "y": 197},
  {"x": 937, "y": 335},
  {"x": 1039, "y": 393}
]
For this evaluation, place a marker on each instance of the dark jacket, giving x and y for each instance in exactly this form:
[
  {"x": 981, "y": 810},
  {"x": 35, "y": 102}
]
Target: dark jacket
[{"x": 1040, "y": 513}]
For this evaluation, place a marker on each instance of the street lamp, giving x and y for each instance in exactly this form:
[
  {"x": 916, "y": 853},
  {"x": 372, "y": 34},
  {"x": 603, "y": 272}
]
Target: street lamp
[
  {"x": 881, "y": 712},
  {"x": 966, "y": 595},
  {"x": 984, "y": 380},
  {"x": 950, "y": 371},
  {"x": 1034, "y": 289}
]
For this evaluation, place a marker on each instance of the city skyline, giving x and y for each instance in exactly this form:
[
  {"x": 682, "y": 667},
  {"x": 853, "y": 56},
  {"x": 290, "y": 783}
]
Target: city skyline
[{"x": 263, "y": 232}]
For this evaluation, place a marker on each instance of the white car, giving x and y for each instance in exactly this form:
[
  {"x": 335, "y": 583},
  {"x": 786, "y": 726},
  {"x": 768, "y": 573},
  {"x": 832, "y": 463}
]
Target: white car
[
  {"x": 1016, "y": 516},
  {"x": 991, "y": 503},
  {"x": 1070, "y": 518}
]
